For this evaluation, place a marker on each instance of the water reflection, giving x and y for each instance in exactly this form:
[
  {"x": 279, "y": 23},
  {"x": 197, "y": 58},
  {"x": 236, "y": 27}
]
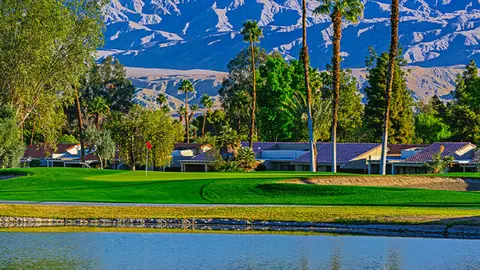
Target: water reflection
[{"x": 224, "y": 251}]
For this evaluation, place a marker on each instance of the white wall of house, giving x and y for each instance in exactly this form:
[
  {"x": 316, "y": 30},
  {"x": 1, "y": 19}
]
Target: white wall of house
[
  {"x": 183, "y": 153},
  {"x": 282, "y": 154}
]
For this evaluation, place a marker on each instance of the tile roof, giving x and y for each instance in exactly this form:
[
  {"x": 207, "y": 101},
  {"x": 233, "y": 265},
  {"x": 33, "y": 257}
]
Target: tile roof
[
  {"x": 396, "y": 149},
  {"x": 345, "y": 152},
  {"x": 260, "y": 146},
  {"x": 426, "y": 154},
  {"x": 41, "y": 150}
]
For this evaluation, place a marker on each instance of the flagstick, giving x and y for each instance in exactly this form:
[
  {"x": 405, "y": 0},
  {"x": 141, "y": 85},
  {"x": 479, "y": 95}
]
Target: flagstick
[{"x": 146, "y": 164}]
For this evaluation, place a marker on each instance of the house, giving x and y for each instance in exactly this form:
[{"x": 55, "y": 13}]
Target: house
[
  {"x": 185, "y": 151},
  {"x": 462, "y": 152},
  {"x": 201, "y": 162},
  {"x": 351, "y": 157},
  {"x": 396, "y": 153},
  {"x": 474, "y": 164},
  {"x": 65, "y": 155},
  {"x": 288, "y": 156}
]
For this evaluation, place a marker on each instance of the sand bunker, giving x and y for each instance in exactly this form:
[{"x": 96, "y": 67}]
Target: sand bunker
[{"x": 434, "y": 183}]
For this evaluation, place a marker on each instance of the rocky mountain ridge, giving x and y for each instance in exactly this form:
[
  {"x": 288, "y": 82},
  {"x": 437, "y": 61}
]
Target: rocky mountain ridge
[{"x": 205, "y": 34}]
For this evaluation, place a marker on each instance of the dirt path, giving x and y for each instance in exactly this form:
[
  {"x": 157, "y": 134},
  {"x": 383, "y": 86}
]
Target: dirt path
[{"x": 434, "y": 183}]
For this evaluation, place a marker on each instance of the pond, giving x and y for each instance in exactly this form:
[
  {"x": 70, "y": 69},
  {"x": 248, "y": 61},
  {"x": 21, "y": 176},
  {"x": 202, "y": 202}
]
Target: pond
[{"x": 112, "y": 250}]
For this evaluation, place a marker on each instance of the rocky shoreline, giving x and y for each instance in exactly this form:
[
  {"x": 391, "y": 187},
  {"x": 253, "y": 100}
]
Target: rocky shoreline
[{"x": 430, "y": 230}]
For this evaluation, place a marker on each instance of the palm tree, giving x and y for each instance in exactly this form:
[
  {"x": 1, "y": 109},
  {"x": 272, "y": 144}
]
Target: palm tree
[
  {"x": 350, "y": 10},
  {"x": 186, "y": 87},
  {"x": 98, "y": 108},
  {"x": 391, "y": 73},
  {"x": 181, "y": 113},
  {"x": 321, "y": 111},
  {"x": 252, "y": 34},
  {"x": 193, "y": 109},
  {"x": 80, "y": 124},
  {"x": 306, "y": 66},
  {"x": 162, "y": 100},
  {"x": 207, "y": 104}
]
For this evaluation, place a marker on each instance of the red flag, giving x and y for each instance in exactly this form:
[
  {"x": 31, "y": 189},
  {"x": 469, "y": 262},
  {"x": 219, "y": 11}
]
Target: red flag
[{"x": 149, "y": 145}]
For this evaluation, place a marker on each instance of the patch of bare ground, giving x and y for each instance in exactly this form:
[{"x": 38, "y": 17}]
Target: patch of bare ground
[{"x": 425, "y": 182}]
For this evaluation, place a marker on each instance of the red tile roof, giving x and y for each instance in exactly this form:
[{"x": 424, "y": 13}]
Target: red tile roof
[{"x": 44, "y": 151}]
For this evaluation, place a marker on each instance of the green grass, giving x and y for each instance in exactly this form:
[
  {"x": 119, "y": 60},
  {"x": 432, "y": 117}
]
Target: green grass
[
  {"x": 339, "y": 214},
  {"x": 59, "y": 184}
]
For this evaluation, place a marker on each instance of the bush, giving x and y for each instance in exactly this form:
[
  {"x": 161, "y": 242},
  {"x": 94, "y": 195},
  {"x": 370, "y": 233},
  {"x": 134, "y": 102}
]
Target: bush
[
  {"x": 247, "y": 159},
  {"x": 35, "y": 163},
  {"x": 228, "y": 166}
]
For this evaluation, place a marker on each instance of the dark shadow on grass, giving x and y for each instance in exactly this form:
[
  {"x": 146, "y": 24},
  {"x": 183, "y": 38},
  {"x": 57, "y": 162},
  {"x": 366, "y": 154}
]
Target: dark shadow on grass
[
  {"x": 472, "y": 184},
  {"x": 473, "y": 220}
]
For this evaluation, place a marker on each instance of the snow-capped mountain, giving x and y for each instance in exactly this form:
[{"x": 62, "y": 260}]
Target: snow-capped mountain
[{"x": 204, "y": 34}]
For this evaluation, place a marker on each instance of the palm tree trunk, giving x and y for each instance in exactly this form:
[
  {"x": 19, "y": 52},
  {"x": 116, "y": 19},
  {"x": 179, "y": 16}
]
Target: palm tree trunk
[
  {"x": 204, "y": 122},
  {"x": 254, "y": 95},
  {"x": 132, "y": 156},
  {"x": 80, "y": 125},
  {"x": 97, "y": 121},
  {"x": 337, "y": 36},
  {"x": 306, "y": 65},
  {"x": 390, "y": 78},
  {"x": 186, "y": 117}
]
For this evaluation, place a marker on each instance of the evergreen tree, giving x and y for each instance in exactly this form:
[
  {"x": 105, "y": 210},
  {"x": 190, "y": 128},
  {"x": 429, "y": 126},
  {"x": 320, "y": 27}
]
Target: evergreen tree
[
  {"x": 401, "y": 126},
  {"x": 467, "y": 91},
  {"x": 463, "y": 114}
]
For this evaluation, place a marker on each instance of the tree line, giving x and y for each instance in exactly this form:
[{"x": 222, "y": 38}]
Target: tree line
[{"x": 52, "y": 90}]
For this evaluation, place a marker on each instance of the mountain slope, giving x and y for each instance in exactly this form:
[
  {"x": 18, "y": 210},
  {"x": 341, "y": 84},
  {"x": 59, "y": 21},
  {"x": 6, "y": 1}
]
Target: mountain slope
[
  {"x": 204, "y": 34},
  {"x": 423, "y": 82}
]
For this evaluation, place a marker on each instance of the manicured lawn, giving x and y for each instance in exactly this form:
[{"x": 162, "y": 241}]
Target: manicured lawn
[
  {"x": 59, "y": 184},
  {"x": 341, "y": 214}
]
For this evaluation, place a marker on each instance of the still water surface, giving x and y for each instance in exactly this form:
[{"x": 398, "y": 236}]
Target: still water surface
[{"x": 93, "y": 250}]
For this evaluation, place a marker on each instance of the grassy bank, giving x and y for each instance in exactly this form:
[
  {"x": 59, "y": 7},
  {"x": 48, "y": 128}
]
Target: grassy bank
[
  {"x": 339, "y": 214},
  {"x": 59, "y": 184}
]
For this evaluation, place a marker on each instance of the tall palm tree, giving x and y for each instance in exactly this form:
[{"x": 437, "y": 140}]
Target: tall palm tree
[
  {"x": 252, "y": 33},
  {"x": 338, "y": 10},
  {"x": 186, "y": 87},
  {"x": 306, "y": 66},
  {"x": 391, "y": 73},
  {"x": 80, "y": 124},
  {"x": 207, "y": 104}
]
